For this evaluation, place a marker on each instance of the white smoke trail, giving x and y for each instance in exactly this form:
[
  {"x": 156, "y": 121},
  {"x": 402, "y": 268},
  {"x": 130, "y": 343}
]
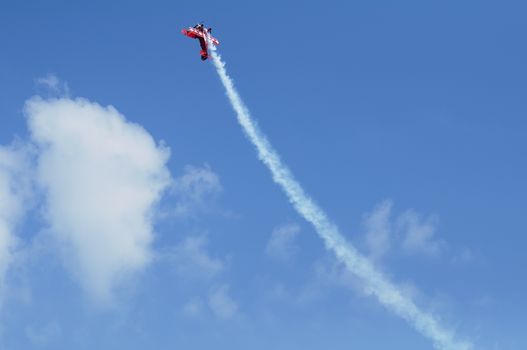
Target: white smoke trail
[{"x": 386, "y": 292}]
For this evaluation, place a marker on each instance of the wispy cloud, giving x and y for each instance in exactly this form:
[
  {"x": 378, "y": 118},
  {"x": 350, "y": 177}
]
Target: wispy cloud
[
  {"x": 43, "y": 335},
  {"x": 281, "y": 245},
  {"x": 327, "y": 274},
  {"x": 218, "y": 303},
  {"x": 466, "y": 256},
  {"x": 191, "y": 259},
  {"x": 14, "y": 193},
  {"x": 378, "y": 228},
  {"x": 54, "y": 85},
  {"x": 194, "y": 308},
  {"x": 193, "y": 262},
  {"x": 419, "y": 233},
  {"x": 222, "y": 304},
  {"x": 195, "y": 190},
  {"x": 411, "y": 232},
  {"x": 102, "y": 177}
]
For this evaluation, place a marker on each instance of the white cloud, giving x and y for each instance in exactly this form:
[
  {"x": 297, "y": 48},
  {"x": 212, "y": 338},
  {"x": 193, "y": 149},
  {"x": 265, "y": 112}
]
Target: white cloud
[
  {"x": 102, "y": 175},
  {"x": 14, "y": 193},
  {"x": 195, "y": 190},
  {"x": 191, "y": 259},
  {"x": 419, "y": 234},
  {"x": 378, "y": 229},
  {"x": 281, "y": 245},
  {"x": 222, "y": 304}
]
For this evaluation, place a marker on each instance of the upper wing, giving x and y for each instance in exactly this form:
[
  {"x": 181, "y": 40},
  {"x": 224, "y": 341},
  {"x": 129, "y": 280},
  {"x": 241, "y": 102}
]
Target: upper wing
[{"x": 194, "y": 33}]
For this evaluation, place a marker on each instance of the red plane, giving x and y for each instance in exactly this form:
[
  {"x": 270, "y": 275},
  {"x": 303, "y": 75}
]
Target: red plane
[{"x": 199, "y": 32}]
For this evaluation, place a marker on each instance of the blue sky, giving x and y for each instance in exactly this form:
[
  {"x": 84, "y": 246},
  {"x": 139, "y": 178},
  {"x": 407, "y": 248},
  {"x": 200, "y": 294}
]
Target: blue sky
[{"x": 405, "y": 121}]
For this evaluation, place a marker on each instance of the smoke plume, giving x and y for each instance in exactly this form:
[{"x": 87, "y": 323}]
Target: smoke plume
[{"x": 376, "y": 284}]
